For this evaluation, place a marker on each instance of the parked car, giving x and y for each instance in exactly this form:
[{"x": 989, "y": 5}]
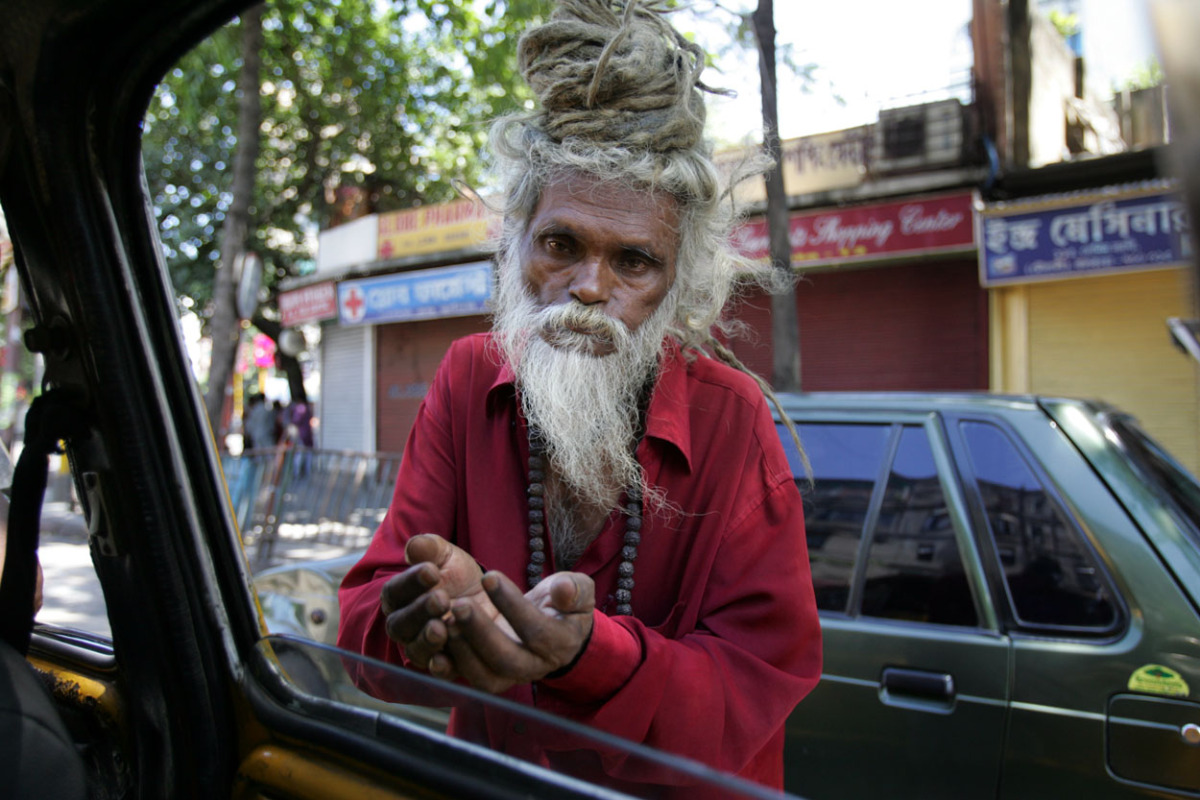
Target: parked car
[{"x": 1008, "y": 590}]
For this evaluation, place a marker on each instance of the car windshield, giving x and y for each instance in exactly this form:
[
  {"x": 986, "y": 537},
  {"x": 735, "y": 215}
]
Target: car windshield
[{"x": 1160, "y": 471}]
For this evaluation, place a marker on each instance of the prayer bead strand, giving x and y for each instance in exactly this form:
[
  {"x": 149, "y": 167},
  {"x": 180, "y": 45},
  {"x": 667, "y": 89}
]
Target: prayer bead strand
[{"x": 536, "y": 493}]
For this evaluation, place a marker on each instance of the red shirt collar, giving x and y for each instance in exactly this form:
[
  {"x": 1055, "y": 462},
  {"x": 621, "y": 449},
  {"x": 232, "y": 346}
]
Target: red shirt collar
[{"x": 667, "y": 416}]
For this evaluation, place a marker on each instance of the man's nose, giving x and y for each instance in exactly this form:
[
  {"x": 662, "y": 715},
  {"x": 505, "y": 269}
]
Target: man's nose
[{"x": 591, "y": 282}]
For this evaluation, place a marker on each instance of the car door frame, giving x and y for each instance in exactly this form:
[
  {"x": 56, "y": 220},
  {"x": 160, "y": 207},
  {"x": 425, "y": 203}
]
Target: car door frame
[{"x": 1058, "y": 737}]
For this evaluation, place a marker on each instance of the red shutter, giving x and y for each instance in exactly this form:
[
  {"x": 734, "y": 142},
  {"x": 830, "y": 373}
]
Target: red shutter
[
  {"x": 407, "y": 355},
  {"x": 918, "y": 326}
]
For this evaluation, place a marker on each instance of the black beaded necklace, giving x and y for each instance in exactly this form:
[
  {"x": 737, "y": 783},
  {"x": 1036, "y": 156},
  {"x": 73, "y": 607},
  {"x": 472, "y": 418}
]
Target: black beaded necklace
[{"x": 537, "y": 528}]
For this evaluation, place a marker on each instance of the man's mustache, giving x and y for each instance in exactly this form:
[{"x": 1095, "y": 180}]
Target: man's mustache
[{"x": 565, "y": 323}]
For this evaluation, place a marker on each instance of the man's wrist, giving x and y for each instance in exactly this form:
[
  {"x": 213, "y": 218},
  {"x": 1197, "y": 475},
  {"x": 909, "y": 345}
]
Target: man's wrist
[
  {"x": 611, "y": 657},
  {"x": 561, "y": 671}
]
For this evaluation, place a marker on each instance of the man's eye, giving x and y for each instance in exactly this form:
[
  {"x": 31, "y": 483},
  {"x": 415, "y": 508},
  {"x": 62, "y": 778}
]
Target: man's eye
[
  {"x": 557, "y": 244},
  {"x": 636, "y": 262}
]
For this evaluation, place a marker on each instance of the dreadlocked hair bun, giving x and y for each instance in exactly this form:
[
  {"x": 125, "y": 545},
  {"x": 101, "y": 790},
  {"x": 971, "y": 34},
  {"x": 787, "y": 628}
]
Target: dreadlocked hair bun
[{"x": 617, "y": 73}]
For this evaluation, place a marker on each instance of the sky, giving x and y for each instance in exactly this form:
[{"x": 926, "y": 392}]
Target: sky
[{"x": 873, "y": 54}]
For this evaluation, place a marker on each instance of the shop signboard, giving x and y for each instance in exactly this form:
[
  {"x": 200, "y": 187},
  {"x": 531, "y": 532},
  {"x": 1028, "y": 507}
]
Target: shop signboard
[
  {"x": 423, "y": 294},
  {"x": 1096, "y": 234},
  {"x": 308, "y": 304},
  {"x": 917, "y": 226},
  {"x": 816, "y": 163},
  {"x": 435, "y": 229}
]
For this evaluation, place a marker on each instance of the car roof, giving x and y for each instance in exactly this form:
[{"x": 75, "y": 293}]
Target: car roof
[{"x": 963, "y": 401}]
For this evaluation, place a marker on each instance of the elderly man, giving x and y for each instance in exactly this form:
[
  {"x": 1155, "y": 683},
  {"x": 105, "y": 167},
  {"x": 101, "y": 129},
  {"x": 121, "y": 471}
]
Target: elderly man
[{"x": 594, "y": 515}]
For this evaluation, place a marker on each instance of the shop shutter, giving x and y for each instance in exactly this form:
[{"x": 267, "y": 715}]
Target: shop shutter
[
  {"x": 347, "y": 373},
  {"x": 407, "y": 356},
  {"x": 1106, "y": 338},
  {"x": 913, "y": 326}
]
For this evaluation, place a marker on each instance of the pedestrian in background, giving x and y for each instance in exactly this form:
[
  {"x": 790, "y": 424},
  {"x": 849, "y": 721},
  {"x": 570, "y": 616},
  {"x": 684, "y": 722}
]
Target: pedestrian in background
[
  {"x": 300, "y": 433},
  {"x": 280, "y": 413},
  {"x": 259, "y": 426}
]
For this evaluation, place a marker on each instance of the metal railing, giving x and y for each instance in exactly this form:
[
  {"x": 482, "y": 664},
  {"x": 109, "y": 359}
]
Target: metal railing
[{"x": 299, "y": 503}]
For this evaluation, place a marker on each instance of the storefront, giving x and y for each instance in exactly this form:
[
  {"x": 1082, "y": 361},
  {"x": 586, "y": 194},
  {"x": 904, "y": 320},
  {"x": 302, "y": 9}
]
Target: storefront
[
  {"x": 888, "y": 297},
  {"x": 412, "y": 318},
  {"x": 1081, "y": 287},
  {"x": 391, "y": 292}
]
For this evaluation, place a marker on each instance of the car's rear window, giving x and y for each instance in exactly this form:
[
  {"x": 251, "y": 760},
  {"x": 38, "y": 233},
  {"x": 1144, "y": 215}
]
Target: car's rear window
[
  {"x": 914, "y": 568},
  {"x": 1052, "y": 576}
]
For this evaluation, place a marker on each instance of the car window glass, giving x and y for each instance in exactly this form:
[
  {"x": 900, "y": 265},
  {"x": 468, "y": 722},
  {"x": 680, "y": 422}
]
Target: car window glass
[
  {"x": 309, "y": 452},
  {"x": 395, "y": 704},
  {"x": 845, "y": 461},
  {"x": 1051, "y": 574},
  {"x": 914, "y": 568},
  {"x": 71, "y": 596}
]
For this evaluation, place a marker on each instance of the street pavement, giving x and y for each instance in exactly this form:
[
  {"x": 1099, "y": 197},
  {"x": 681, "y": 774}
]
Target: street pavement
[
  {"x": 71, "y": 590},
  {"x": 71, "y": 594}
]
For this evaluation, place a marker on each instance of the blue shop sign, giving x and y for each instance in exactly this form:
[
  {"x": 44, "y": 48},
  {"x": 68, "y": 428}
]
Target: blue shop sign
[
  {"x": 1102, "y": 234},
  {"x": 425, "y": 294}
]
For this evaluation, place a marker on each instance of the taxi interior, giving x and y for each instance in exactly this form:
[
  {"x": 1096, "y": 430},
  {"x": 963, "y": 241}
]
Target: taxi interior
[{"x": 190, "y": 697}]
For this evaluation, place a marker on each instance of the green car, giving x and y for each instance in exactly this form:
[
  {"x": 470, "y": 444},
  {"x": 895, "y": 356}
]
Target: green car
[{"x": 1008, "y": 589}]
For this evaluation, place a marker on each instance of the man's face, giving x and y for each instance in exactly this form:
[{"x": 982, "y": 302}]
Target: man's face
[{"x": 604, "y": 246}]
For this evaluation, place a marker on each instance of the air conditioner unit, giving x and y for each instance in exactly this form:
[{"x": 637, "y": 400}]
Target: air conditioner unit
[{"x": 927, "y": 136}]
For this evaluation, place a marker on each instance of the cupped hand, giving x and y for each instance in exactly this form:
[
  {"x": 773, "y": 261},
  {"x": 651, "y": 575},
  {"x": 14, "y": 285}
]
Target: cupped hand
[
  {"x": 547, "y": 629},
  {"x": 417, "y": 602}
]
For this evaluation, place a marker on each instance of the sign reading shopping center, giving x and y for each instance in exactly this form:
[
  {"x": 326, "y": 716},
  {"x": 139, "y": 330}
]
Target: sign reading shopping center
[{"x": 880, "y": 231}]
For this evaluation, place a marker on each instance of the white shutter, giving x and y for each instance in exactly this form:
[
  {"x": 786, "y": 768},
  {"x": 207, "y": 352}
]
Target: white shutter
[{"x": 347, "y": 388}]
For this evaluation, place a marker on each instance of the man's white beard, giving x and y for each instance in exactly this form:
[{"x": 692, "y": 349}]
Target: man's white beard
[{"x": 586, "y": 408}]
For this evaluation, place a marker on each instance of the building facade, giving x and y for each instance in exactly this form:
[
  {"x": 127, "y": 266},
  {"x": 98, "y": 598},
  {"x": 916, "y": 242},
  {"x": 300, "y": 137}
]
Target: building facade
[{"x": 941, "y": 248}]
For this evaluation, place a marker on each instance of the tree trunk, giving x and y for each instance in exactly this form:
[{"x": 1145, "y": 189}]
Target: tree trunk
[
  {"x": 289, "y": 364},
  {"x": 785, "y": 323},
  {"x": 225, "y": 325}
]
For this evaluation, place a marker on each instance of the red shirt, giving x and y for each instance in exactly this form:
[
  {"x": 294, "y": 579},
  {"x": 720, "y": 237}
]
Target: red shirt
[{"x": 724, "y": 639}]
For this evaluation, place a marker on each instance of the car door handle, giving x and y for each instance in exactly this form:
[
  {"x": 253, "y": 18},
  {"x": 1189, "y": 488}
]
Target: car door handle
[{"x": 918, "y": 684}]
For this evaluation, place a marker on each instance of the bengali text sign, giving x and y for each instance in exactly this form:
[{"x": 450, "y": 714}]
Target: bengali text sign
[
  {"x": 1098, "y": 235},
  {"x": 423, "y": 294}
]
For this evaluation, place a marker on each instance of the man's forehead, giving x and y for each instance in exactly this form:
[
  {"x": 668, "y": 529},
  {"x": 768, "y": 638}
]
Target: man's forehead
[
  {"x": 590, "y": 185},
  {"x": 582, "y": 196}
]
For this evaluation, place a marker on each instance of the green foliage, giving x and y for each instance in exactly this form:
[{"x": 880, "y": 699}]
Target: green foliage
[
  {"x": 1067, "y": 25},
  {"x": 1146, "y": 76},
  {"x": 390, "y": 97}
]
